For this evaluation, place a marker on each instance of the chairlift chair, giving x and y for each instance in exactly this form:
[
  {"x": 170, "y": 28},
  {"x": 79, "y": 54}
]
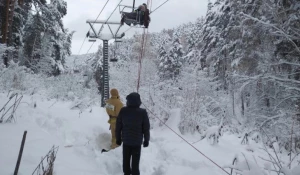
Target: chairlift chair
[
  {"x": 132, "y": 17},
  {"x": 114, "y": 60},
  {"x": 118, "y": 40}
]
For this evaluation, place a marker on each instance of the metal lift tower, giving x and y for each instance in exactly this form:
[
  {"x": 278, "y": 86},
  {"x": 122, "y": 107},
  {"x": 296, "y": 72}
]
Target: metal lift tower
[{"x": 105, "y": 38}]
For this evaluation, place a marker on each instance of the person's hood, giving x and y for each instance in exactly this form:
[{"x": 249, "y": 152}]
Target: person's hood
[
  {"x": 133, "y": 100},
  {"x": 114, "y": 93}
]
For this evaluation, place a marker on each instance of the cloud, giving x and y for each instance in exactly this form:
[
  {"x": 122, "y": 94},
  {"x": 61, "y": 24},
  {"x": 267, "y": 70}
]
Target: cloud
[{"x": 170, "y": 15}]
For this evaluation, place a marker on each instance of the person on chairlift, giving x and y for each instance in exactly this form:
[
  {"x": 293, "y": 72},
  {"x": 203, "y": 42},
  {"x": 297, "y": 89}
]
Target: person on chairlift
[
  {"x": 146, "y": 17},
  {"x": 141, "y": 14}
]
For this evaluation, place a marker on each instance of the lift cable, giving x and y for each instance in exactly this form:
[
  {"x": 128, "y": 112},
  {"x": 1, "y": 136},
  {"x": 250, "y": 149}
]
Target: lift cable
[
  {"x": 159, "y": 6},
  {"x": 93, "y": 24},
  {"x": 150, "y": 13},
  {"x": 105, "y": 22}
]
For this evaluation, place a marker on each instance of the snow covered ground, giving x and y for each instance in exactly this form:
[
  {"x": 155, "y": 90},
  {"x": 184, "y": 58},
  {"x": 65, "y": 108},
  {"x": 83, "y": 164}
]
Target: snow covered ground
[{"x": 54, "y": 123}]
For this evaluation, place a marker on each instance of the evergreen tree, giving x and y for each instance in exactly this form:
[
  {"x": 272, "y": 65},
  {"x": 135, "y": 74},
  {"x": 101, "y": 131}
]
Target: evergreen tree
[
  {"x": 162, "y": 57},
  {"x": 52, "y": 42},
  {"x": 20, "y": 17},
  {"x": 33, "y": 41},
  {"x": 171, "y": 63}
]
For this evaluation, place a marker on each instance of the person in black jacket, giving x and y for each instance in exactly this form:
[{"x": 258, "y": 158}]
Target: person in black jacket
[{"x": 132, "y": 126}]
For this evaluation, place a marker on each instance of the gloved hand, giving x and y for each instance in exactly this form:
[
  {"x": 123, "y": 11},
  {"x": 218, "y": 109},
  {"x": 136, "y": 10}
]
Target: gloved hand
[
  {"x": 146, "y": 144},
  {"x": 119, "y": 142}
]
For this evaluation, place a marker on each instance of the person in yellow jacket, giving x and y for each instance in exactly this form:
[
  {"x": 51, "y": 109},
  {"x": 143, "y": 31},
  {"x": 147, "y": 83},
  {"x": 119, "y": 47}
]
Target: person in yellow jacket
[{"x": 113, "y": 107}]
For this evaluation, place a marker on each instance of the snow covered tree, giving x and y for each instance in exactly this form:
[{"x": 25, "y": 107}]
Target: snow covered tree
[
  {"x": 20, "y": 17},
  {"x": 32, "y": 41},
  {"x": 252, "y": 48},
  {"x": 193, "y": 40},
  {"x": 162, "y": 60},
  {"x": 171, "y": 63},
  {"x": 52, "y": 42}
]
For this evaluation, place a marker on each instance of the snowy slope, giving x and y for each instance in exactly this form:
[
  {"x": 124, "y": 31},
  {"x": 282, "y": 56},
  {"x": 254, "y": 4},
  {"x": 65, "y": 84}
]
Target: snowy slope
[{"x": 53, "y": 123}]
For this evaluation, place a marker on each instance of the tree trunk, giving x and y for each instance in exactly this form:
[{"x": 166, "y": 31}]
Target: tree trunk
[
  {"x": 5, "y": 22},
  {"x": 4, "y": 30},
  {"x": 243, "y": 105}
]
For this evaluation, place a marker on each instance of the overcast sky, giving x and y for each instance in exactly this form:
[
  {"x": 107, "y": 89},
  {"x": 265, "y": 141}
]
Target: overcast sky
[{"x": 171, "y": 14}]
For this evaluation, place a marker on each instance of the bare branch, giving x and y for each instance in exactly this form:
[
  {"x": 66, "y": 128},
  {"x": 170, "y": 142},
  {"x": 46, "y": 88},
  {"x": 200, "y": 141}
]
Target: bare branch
[
  {"x": 273, "y": 26},
  {"x": 246, "y": 161}
]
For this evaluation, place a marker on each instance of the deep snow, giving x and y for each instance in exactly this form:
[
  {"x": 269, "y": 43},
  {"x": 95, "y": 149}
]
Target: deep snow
[{"x": 81, "y": 136}]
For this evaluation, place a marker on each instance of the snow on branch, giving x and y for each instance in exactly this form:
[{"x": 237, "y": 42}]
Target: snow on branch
[
  {"x": 274, "y": 27},
  {"x": 284, "y": 62}
]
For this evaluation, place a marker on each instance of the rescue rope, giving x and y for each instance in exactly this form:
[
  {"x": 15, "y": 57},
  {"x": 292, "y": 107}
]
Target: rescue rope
[
  {"x": 140, "y": 59},
  {"x": 142, "y": 53},
  {"x": 187, "y": 142}
]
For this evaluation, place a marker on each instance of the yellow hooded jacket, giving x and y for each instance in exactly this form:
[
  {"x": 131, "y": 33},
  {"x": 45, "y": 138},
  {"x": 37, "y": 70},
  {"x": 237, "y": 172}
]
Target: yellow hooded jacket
[{"x": 113, "y": 106}]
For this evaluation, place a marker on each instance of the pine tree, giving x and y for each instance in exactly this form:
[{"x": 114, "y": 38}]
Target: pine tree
[
  {"x": 52, "y": 42},
  {"x": 175, "y": 55},
  {"x": 33, "y": 41},
  {"x": 170, "y": 64},
  {"x": 162, "y": 61},
  {"x": 20, "y": 17}
]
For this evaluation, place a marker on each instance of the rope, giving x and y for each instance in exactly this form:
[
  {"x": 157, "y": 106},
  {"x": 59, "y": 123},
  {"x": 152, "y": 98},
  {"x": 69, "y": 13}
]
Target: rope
[
  {"x": 187, "y": 141},
  {"x": 93, "y": 25},
  {"x": 140, "y": 61},
  {"x": 144, "y": 42}
]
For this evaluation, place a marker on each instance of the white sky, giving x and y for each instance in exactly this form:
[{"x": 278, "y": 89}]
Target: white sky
[{"x": 171, "y": 14}]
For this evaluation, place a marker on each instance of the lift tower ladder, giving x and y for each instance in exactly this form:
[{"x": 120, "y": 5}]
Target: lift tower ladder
[{"x": 105, "y": 38}]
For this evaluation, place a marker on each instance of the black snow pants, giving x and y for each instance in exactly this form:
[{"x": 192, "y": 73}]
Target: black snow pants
[{"x": 134, "y": 153}]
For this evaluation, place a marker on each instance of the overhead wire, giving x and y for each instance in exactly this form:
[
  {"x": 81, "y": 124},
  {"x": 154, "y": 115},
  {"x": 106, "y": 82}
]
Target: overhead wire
[
  {"x": 93, "y": 25},
  {"x": 105, "y": 23},
  {"x": 113, "y": 11},
  {"x": 90, "y": 48},
  {"x": 109, "y": 18},
  {"x": 159, "y": 6},
  {"x": 150, "y": 13}
]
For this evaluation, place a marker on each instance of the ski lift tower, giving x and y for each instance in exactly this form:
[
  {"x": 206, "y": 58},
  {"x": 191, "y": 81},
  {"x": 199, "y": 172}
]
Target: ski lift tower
[{"x": 93, "y": 36}]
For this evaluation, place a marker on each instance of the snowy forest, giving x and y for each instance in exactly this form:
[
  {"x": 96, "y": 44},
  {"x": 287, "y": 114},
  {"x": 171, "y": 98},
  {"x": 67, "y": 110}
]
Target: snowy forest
[
  {"x": 234, "y": 71},
  {"x": 37, "y": 38}
]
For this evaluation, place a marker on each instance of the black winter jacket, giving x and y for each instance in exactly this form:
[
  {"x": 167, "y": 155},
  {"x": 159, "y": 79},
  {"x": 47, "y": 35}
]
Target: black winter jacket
[{"x": 133, "y": 123}]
